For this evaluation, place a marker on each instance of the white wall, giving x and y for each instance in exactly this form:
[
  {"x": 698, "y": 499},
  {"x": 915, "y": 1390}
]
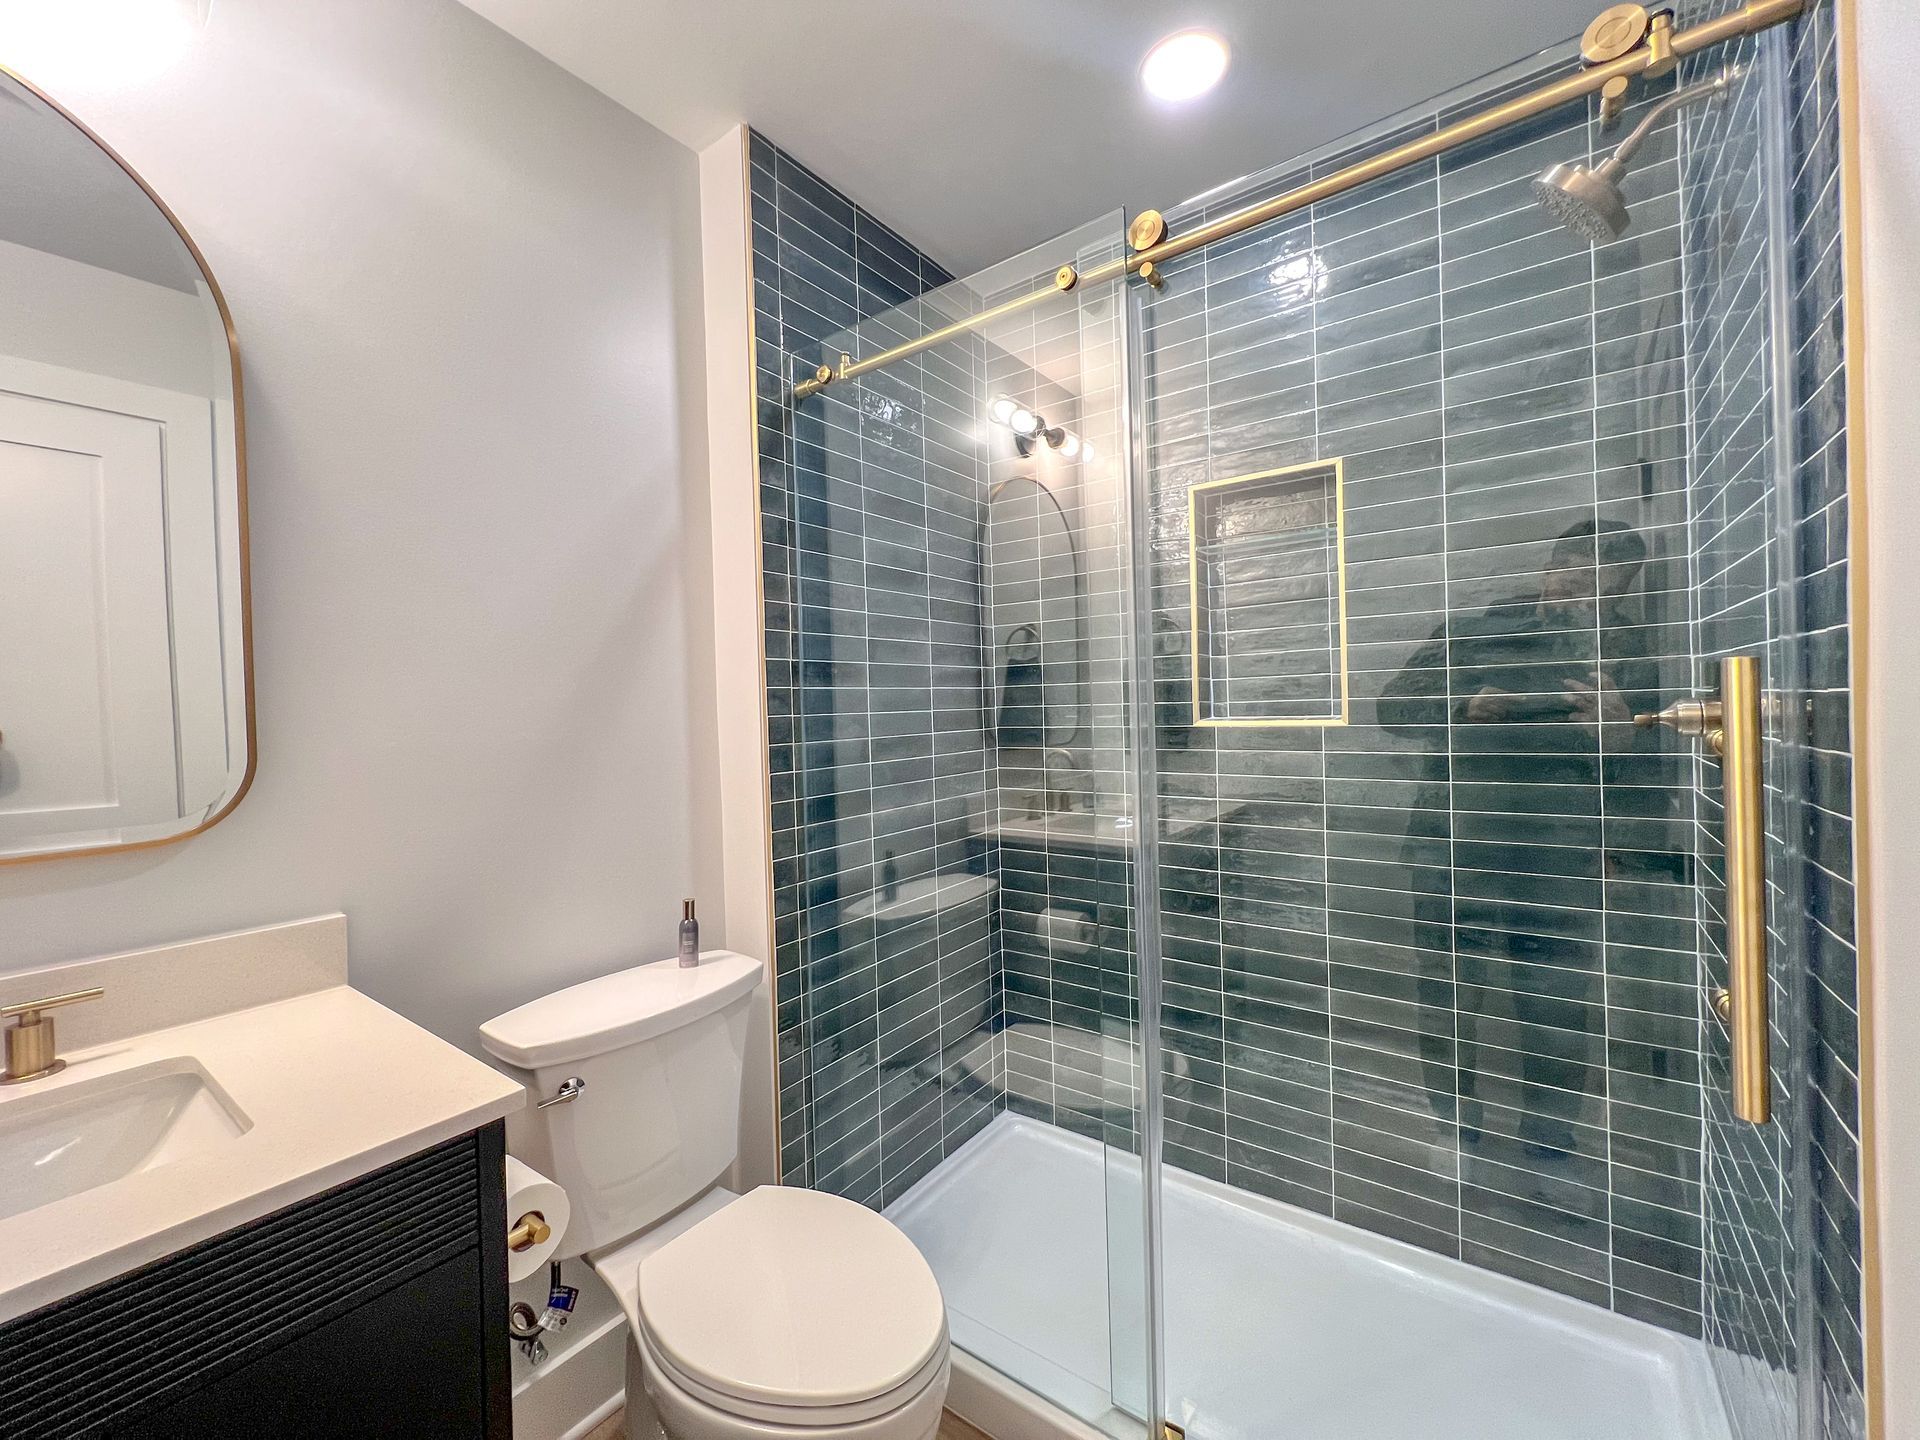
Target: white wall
[
  {"x": 467, "y": 289},
  {"x": 1888, "y": 39}
]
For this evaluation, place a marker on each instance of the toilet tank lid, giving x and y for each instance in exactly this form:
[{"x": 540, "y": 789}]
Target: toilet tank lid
[{"x": 620, "y": 1009}]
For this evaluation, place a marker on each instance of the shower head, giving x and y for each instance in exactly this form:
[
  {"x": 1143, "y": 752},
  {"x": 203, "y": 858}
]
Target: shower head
[{"x": 1588, "y": 200}]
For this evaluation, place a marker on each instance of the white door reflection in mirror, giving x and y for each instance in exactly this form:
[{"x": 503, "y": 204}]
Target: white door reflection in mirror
[{"x": 124, "y": 698}]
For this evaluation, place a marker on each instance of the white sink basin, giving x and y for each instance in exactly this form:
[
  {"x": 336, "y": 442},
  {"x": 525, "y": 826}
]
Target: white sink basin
[
  {"x": 1069, "y": 829},
  {"x": 89, "y": 1132}
]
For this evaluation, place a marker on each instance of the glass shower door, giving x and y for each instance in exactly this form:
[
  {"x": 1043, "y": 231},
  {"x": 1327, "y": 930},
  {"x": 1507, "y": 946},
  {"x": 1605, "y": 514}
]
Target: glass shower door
[
  {"x": 972, "y": 1055},
  {"x": 1265, "y": 892},
  {"x": 1443, "y": 508}
]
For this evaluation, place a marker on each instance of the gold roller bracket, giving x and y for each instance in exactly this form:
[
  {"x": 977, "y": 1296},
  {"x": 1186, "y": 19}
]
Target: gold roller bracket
[
  {"x": 1730, "y": 726},
  {"x": 1148, "y": 229},
  {"x": 1614, "y": 32}
]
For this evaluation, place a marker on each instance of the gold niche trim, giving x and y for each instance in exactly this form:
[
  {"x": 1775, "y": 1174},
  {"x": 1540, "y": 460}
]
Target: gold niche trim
[{"x": 1337, "y": 467}]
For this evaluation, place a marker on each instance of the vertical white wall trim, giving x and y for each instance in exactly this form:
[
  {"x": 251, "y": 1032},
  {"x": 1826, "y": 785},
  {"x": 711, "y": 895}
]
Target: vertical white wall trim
[
  {"x": 737, "y": 650},
  {"x": 1887, "y": 34}
]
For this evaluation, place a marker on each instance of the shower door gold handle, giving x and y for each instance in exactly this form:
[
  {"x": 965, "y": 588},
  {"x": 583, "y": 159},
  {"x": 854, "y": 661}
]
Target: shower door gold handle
[
  {"x": 1742, "y": 781},
  {"x": 1730, "y": 727}
]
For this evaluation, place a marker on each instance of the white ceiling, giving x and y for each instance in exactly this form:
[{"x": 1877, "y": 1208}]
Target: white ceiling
[{"x": 981, "y": 127}]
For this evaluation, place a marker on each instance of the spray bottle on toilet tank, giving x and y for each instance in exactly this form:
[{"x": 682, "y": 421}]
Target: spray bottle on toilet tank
[{"x": 689, "y": 935}]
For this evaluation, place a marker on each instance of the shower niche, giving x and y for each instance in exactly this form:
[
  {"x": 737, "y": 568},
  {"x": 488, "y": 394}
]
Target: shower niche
[{"x": 1268, "y": 597}]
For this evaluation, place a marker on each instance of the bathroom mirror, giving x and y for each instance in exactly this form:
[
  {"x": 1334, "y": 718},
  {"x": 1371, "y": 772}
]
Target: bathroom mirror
[
  {"x": 1034, "y": 619},
  {"x": 125, "y": 691}
]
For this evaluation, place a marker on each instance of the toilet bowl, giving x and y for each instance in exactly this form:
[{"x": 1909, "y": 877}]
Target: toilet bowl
[
  {"x": 785, "y": 1312},
  {"x": 782, "y": 1314}
]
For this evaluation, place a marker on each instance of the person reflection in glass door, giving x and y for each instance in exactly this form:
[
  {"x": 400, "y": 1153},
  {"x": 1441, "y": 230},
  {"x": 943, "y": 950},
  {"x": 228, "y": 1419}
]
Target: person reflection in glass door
[{"x": 1570, "y": 652}]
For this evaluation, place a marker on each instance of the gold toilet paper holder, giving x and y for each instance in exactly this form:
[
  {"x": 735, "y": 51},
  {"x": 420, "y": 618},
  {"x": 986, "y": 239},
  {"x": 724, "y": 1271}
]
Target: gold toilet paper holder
[{"x": 529, "y": 1230}]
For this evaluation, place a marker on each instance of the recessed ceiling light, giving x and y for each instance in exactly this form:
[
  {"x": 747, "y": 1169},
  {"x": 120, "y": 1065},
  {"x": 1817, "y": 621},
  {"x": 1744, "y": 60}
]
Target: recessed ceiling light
[{"x": 1184, "y": 65}]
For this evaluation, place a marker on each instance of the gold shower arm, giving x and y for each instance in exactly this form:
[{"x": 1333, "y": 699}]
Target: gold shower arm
[{"x": 1646, "y": 58}]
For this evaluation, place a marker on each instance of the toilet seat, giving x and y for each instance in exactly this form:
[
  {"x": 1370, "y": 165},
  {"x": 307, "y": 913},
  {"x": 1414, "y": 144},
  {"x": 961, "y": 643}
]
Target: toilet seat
[
  {"x": 795, "y": 1419},
  {"x": 793, "y": 1307}
]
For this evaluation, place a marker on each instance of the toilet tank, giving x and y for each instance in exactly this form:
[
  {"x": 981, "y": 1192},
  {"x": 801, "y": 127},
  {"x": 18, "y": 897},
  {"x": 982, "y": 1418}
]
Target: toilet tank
[{"x": 659, "y": 1049}]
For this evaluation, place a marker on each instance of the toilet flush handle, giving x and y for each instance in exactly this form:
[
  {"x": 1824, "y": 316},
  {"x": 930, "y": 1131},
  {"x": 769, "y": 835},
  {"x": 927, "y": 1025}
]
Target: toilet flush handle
[{"x": 570, "y": 1090}]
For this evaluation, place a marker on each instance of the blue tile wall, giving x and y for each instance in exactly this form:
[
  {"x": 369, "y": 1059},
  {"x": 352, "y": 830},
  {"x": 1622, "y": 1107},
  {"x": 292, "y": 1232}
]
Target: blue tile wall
[
  {"x": 1769, "y": 535},
  {"x": 871, "y": 508}
]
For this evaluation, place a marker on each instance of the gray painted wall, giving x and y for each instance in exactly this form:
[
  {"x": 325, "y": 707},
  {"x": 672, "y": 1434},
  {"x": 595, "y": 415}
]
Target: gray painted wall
[{"x": 467, "y": 292}]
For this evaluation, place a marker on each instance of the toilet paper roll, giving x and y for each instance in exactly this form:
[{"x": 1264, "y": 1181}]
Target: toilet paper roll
[
  {"x": 531, "y": 1193},
  {"x": 1067, "y": 931}
]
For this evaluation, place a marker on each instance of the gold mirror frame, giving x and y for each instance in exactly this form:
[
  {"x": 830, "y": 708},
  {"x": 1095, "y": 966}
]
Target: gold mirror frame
[{"x": 240, "y": 498}]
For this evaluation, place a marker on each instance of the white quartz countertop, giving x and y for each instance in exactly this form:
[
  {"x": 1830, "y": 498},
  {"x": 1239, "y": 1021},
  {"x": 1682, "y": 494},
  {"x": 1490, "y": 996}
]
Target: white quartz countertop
[{"x": 332, "y": 1084}]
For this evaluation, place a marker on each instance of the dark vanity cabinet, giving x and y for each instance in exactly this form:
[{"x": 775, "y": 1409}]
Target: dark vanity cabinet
[{"x": 374, "y": 1309}]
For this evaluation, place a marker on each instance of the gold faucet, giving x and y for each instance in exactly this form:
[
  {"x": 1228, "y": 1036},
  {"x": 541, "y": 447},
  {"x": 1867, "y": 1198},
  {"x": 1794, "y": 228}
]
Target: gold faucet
[
  {"x": 30, "y": 1049},
  {"x": 1058, "y": 800}
]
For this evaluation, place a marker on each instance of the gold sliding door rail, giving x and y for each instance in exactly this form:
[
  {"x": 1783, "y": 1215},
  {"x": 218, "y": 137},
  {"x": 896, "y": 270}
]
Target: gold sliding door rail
[{"x": 1655, "y": 54}]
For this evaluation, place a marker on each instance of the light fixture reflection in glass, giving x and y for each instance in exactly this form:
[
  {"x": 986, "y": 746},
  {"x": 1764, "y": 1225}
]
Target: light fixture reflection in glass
[
  {"x": 1030, "y": 429},
  {"x": 1300, "y": 278},
  {"x": 1184, "y": 66},
  {"x": 96, "y": 43}
]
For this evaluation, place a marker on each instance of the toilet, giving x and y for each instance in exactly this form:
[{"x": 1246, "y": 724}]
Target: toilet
[{"x": 781, "y": 1314}]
